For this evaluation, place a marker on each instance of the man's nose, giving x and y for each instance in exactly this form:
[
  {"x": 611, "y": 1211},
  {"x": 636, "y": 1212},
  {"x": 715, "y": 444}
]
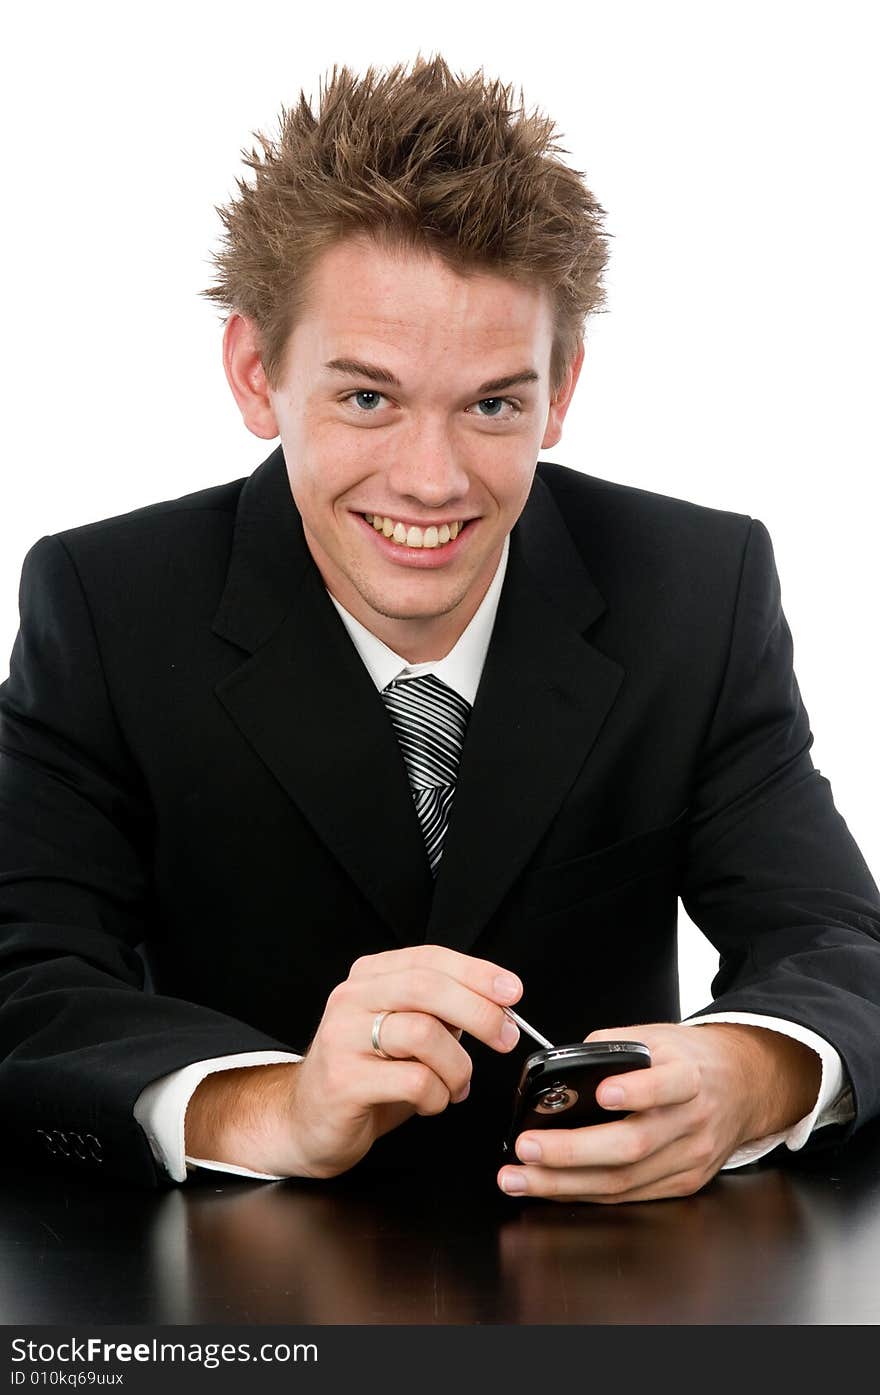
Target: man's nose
[{"x": 428, "y": 466}]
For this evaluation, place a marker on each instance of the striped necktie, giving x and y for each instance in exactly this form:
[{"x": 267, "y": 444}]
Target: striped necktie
[{"x": 430, "y": 720}]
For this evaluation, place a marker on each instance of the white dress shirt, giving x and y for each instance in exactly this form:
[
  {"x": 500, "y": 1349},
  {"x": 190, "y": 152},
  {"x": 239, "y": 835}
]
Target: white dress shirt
[{"x": 161, "y": 1107}]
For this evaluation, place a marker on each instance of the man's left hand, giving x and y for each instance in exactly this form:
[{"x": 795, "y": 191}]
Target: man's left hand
[{"x": 709, "y": 1089}]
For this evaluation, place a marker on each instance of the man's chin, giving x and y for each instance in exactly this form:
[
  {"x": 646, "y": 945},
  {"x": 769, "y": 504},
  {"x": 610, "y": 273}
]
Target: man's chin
[{"x": 391, "y": 610}]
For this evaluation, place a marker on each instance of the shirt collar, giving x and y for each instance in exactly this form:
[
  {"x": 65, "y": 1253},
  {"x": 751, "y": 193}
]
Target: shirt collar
[{"x": 463, "y": 665}]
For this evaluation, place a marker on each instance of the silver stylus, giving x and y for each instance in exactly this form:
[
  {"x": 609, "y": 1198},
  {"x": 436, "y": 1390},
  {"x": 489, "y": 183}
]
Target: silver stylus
[{"x": 529, "y": 1031}]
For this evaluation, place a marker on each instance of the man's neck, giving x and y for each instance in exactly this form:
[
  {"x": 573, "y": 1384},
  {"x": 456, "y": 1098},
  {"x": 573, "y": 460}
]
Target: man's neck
[{"x": 417, "y": 639}]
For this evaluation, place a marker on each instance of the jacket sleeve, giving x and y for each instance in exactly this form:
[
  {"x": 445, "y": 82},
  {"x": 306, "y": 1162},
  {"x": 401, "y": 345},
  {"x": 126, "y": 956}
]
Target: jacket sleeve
[
  {"x": 80, "y": 1037},
  {"x": 772, "y": 875}
]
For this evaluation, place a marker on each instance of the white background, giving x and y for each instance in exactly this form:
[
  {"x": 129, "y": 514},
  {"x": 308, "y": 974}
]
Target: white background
[{"x": 734, "y": 148}]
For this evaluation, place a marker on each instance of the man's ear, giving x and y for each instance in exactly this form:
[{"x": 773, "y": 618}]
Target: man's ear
[
  {"x": 244, "y": 373},
  {"x": 559, "y": 402}
]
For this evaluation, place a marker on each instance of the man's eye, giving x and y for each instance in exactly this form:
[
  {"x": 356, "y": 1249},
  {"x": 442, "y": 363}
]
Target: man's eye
[
  {"x": 495, "y": 405},
  {"x": 366, "y": 399}
]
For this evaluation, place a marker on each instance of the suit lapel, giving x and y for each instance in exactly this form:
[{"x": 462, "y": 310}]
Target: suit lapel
[
  {"x": 543, "y": 697},
  {"x": 307, "y": 705}
]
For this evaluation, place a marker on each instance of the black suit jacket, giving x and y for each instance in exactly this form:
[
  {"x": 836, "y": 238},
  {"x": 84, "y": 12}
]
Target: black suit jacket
[{"x": 197, "y": 771}]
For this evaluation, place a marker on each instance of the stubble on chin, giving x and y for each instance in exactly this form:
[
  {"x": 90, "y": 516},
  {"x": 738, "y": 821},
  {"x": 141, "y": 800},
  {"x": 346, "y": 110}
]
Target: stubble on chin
[{"x": 382, "y": 605}]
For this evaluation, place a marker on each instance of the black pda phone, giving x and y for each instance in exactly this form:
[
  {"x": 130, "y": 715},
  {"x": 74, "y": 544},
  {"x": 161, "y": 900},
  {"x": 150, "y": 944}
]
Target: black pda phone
[{"x": 557, "y": 1088}]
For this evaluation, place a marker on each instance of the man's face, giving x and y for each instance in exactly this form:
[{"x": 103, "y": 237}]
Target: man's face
[{"x": 414, "y": 403}]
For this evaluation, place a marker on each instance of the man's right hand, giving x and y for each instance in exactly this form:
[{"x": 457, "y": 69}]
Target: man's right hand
[{"x": 318, "y": 1117}]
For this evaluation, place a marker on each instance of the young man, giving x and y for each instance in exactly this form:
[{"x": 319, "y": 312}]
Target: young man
[{"x": 401, "y": 730}]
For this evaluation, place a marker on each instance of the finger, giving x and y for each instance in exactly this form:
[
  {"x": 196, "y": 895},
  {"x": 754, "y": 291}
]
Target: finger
[
  {"x": 607, "y": 1188},
  {"x": 675, "y": 1082},
  {"x": 456, "y": 1031},
  {"x": 420, "y": 1037},
  {"x": 621, "y": 1143},
  {"x": 661, "y": 1188},
  {"x": 400, "y": 1082},
  {"x": 619, "y": 1157},
  {"x": 428, "y": 991},
  {"x": 613, "y": 1169},
  {"x": 482, "y": 975}
]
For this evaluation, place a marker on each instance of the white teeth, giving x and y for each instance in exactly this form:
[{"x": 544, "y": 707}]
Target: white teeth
[{"x": 414, "y": 536}]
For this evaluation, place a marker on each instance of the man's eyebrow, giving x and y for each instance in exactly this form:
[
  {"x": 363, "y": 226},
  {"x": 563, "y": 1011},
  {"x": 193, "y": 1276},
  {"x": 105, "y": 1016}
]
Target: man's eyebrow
[
  {"x": 527, "y": 375},
  {"x": 355, "y": 368}
]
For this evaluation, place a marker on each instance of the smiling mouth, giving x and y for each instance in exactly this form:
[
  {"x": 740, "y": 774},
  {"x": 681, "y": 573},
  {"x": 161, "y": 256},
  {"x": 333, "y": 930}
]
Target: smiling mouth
[{"x": 411, "y": 536}]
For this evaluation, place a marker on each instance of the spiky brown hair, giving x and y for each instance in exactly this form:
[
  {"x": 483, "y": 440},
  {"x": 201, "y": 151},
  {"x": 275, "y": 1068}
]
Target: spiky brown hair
[{"x": 418, "y": 158}]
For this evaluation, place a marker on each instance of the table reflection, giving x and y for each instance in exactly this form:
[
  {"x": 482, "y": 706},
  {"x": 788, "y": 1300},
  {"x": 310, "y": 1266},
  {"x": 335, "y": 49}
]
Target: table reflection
[{"x": 770, "y": 1244}]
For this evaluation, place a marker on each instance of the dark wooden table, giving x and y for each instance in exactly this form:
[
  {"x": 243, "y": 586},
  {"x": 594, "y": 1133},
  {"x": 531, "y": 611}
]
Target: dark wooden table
[{"x": 790, "y": 1243}]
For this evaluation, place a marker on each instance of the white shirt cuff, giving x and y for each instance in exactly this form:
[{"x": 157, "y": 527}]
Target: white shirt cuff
[
  {"x": 160, "y": 1109},
  {"x": 834, "y": 1102}
]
